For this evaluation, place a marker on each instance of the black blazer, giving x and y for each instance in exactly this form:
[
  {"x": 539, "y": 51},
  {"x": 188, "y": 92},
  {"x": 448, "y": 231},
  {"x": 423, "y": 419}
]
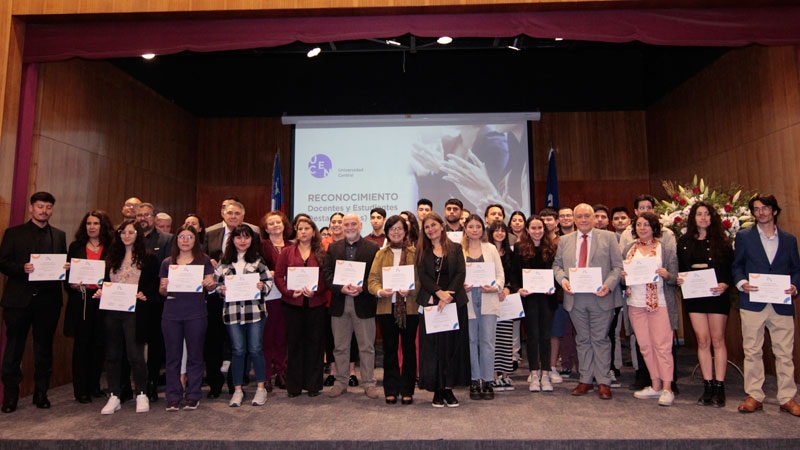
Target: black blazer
[
  {"x": 721, "y": 265},
  {"x": 160, "y": 244},
  {"x": 15, "y": 251},
  {"x": 456, "y": 269},
  {"x": 365, "y": 303},
  {"x": 148, "y": 285},
  {"x": 73, "y": 315},
  {"x": 212, "y": 244}
]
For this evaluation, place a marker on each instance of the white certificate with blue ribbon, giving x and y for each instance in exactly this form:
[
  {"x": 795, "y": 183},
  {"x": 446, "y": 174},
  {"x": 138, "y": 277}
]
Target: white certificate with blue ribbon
[
  {"x": 242, "y": 287},
  {"x": 349, "y": 272},
  {"x": 511, "y": 307},
  {"x": 397, "y": 278},
  {"x": 538, "y": 281},
  {"x": 185, "y": 278},
  {"x": 585, "y": 279},
  {"x": 771, "y": 288},
  {"x": 641, "y": 270},
  {"x": 480, "y": 274},
  {"x": 299, "y": 277},
  {"x": 48, "y": 267},
  {"x": 440, "y": 321},
  {"x": 119, "y": 297},
  {"x": 86, "y": 271}
]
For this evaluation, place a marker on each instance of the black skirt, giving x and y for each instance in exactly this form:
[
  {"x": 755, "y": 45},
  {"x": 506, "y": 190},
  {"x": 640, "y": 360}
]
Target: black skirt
[
  {"x": 709, "y": 305},
  {"x": 444, "y": 357}
]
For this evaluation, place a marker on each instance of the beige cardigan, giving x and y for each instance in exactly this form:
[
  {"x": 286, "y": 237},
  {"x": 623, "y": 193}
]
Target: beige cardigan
[
  {"x": 490, "y": 302},
  {"x": 385, "y": 258}
]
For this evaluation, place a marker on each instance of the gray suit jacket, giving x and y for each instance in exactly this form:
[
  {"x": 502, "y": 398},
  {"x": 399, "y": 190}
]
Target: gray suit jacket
[{"x": 604, "y": 253}]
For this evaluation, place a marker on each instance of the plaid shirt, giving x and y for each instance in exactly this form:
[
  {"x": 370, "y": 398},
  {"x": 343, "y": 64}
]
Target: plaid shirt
[{"x": 246, "y": 311}]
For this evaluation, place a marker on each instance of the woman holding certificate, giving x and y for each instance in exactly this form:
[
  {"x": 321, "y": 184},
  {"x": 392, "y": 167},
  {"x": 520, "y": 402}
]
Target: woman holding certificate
[
  {"x": 299, "y": 279},
  {"x": 244, "y": 319},
  {"x": 443, "y": 355},
  {"x": 183, "y": 276},
  {"x": 652, "y": 307},
  {"x": 397, "y": 312},
  {"x": 483, "y": 308},
  {"x": 536, "y": 250},
  {"x": 82, "y": 318},
  {"x": 129, "y": 263},
  {"x": 705, "y": 246}
]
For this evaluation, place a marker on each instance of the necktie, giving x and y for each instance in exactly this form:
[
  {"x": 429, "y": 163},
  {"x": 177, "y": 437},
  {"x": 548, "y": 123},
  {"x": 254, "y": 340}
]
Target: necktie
[{"x": 584, "y": 252}]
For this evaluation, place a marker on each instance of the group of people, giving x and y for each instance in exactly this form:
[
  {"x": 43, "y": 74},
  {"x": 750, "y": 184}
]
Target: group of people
[{"x": 294, "y": 333}]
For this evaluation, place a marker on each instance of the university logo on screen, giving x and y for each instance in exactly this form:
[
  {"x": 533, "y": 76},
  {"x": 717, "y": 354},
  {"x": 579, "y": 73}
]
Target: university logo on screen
[{"x": 320, "y": 165}]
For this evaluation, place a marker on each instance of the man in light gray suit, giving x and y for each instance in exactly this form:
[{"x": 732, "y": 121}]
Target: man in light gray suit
[{"x": 591, "y": 313}]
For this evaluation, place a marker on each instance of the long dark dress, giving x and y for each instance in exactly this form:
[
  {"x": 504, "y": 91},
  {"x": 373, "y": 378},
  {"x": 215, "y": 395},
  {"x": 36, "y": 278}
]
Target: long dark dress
[
  {"x": 443, "y": 357},
  {"x": 693, "y": 251}
]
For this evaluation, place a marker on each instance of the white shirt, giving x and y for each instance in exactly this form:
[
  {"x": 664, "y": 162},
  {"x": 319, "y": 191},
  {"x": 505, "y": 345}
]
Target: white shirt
[
  {"x": 638, "y": 295},
  {"x": 396, "y": 252}
]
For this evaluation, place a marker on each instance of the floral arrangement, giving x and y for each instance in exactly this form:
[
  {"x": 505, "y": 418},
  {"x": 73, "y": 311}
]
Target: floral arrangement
[{"x": 731, "y": 204}]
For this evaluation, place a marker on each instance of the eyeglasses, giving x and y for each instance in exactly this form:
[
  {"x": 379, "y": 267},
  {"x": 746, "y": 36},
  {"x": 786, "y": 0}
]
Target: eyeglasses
[
  {"x": 140, "y": 215},
  {"x": 186, "y": 237},
  {"x": 131, "y": 205},
  {"x": 127, "y": 232},
  {"x": 396, "y": 229}
]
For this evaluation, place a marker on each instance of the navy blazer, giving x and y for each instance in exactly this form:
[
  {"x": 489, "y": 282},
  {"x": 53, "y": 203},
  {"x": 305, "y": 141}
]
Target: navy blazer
[{"x": 750, "y": 257}]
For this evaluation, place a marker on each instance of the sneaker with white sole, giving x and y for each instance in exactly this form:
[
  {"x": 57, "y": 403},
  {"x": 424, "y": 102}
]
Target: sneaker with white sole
[
  {"x": 260, "y": 398},
  {"x": 547, "y": 386},
  {"x": 535, "y": 386},
  {"x": 666, "y": 398},
  {"x": 614, "y": 383},
  {"x": 236, "y": 398},
  {"x": 142, "y": 403},
  {"x": 555, "y": 377},
  {"x": 647, "y": 392},
  {"x": 498, "y": 385},
  {"x": 508, "y": 383},
  {"x": 112, "y": 406}
]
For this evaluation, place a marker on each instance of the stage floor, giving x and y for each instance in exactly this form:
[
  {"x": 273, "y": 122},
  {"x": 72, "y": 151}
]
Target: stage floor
[{"x": 515, "y": 419}]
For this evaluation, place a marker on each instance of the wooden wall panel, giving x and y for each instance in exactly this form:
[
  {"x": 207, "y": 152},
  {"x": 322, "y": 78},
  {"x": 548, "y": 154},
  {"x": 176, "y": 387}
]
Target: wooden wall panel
[{"x": 738, "y": 121}]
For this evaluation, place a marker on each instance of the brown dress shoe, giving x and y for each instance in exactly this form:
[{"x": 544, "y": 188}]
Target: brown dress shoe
[
  {"x": 604, "y": 391},
  {"x": 750, "y": 405},
  {"x": 791, "y": 407},
  {"x": 582, "y": 389}
]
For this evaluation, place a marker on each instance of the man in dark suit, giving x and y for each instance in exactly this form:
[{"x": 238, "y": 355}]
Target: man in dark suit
[
  {"x": 352, "y": 308},
  {"x": 764, "y": 249},
  {"x": 215, "y": 242},
  {"x": 30, "y": 304}
]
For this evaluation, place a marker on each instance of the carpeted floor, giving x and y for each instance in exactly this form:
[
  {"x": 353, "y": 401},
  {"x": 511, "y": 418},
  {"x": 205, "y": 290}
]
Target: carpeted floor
[{"x": 515, "y": 419}]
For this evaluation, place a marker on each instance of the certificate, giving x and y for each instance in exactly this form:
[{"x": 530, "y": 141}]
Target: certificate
[
  {"x": 242, "y": 287},
  {"x": 273, "y": 294},
  {"x": 641, "y": 270},
  {"x": 86, "y": 271},
  {"x": 398, "y": 278},
  {"x": 48, "y": 267},
  {"x": 770, "y": 288},
  {"x": 185, "y": 278},
  {"x": 299, "y": 277},
  {"x": 480, "y": 274},
  {"x": 539, "y": 281},
  {"x": 585, "y": 279},
  {"x": 437, "y": 322},
  {"x": 511, "y": 307},
  {"x": 455, "y": 236},
  {"x": 349, "y": 272},
  {"x": 698, "y": 283},
  {"x": 118, "y": 296}
]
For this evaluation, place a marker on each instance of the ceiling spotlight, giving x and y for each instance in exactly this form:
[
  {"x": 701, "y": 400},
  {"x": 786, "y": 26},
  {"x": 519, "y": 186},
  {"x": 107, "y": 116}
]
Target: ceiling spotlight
[
  {"x": 515, "y": 45},
  {"x": 313, "y": 52},
  {"x": 148, "y": 56},
  {"x": 393, "y": 42},
  {"x": 559, "y": 39},
  {"x": 444, "y": 40}
]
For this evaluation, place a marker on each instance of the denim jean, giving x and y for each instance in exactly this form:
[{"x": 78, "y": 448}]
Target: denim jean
[
  {"x": 482, "y": 331},
  {"x": 246, "y": 339}
]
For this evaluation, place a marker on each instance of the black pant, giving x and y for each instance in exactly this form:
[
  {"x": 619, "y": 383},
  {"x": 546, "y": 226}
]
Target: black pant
[
  {"x": 538, "y": 326},
  {"x": 121, "y": 334},
  {"x": 612, "y": 335},
  {"x": 155, "y": 339},
  {"x": 42, "y": 315},
  {"x": 88, "y": 348},
  {"x": 214, "y": 344},
  {"x": 305, "y": 328},
  {"x": 395, "y": 379}
]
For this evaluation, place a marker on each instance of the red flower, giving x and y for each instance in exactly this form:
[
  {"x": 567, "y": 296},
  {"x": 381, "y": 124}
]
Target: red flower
[
  {"x": 726, "y": 224},
  {"x": 696, "y": 190},
  {"x": 678, "y": 219},
  {"x": 730, "y": 199},
  {"x": 728, "y": 207},
  {"x": 682, "y": 202},
  {"x": 676, "y": 196}
]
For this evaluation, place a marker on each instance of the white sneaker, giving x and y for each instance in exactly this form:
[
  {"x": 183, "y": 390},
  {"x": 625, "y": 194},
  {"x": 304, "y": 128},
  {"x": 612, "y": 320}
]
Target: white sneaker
[
  {"x": 498, "y": 385},
  {"x": 142, "y": 403},
  {"x": 547, "y": 386},
  {"x": 666, "y": 398},
  {"x": 112, "y": 405},
  {"x": 535, "y": 386},
  {"x": 614, "y": 383},
  {"x": 509, "y": 384},
  {"x": 555, "y": 377},
  {"x": 236, "y": 398},
  {"x": 647, "y": 392},
  {"x": 226, "y": 365},
  {"x": 260, "y": 398}
]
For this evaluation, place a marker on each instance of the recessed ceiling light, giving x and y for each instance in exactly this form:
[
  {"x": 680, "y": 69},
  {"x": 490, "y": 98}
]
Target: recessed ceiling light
[
  {"x": 515, "y": 45},
  {"x": 444, "y": 40},
  {"x": 393, "y": 42},
  {"x": 559, "y": 39},
  {"x": 149, "y": 55},
  {"x": 313, "y": 52}
]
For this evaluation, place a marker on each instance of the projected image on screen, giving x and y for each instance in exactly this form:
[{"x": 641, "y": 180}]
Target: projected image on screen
[{"x": 355, "y": 169}]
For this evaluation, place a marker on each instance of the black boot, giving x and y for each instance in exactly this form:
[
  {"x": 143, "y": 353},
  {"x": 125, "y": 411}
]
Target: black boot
[
  {"x": 718, "y": 400},
  {"x": 708, "y": 393},
  {"x": 475, "y": 390},
  {"x": 487, "y": 391}
]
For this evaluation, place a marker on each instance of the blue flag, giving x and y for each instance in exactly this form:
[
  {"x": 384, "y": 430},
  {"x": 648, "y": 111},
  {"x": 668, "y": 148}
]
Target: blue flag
[
  {"x": 551, "y": 193},
  {"x": 277, "y": 185}
]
